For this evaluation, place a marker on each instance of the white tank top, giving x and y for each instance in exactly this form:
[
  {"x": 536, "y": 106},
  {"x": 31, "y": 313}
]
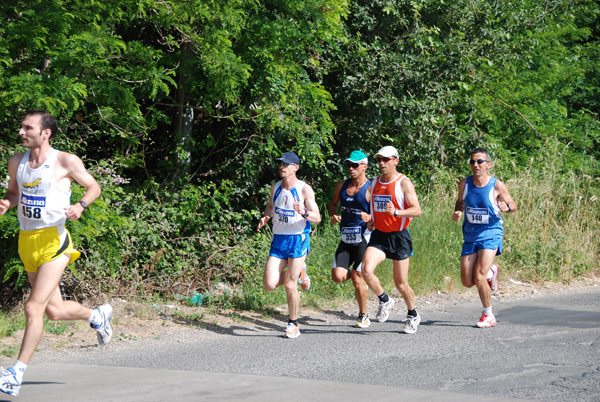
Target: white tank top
[
  {"x": 41, "y": 202},
  {"x": 285, "y": 219}
]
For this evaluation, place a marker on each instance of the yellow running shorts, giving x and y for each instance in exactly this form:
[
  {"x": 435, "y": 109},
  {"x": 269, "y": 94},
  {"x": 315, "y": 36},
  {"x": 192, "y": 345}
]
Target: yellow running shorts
[{"x": 37, "y": 247}]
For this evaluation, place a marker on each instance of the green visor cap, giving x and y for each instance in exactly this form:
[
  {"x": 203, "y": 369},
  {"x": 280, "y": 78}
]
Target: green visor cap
[{"x": 357, "y": 156}]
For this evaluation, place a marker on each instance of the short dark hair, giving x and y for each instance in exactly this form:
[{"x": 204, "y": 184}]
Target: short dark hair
[
  {"x": 46, "y": 120},
  {"x": 481, "y": 151}
]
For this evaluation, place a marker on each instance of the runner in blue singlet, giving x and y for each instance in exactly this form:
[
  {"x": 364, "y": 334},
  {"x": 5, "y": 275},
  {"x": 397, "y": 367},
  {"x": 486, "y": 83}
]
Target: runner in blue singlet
[
  {"x": 293, "y": 208},
  {"x": 481, "y": 198},
  {"x": 354, "y": 196}
]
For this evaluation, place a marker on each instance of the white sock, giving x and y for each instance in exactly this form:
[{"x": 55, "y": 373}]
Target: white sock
[
  {"x": 95, "y": 318},
  {"x": 487, "y": 310},
  {"x": 20, "y": 368}
]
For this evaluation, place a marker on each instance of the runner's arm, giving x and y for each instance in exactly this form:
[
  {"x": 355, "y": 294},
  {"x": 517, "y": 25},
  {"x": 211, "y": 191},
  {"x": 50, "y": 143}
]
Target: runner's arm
[
  {"x": 77, "y": 171},
  {"x": 459, "y": 207},
  {"x": 312, "y": 209},
  {"x": 505, "y": 203}
]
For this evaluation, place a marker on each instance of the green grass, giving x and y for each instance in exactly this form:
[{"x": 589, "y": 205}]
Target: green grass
[{"x": 10, "y": 323}]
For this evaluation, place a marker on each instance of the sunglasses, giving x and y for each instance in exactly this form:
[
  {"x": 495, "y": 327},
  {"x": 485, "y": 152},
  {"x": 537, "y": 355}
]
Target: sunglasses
[
  {"x": 479, "y": 161},
  {"x": 284, "y": 164},
  {"x": 384, "y": 160},
  {"x": 353, "y": 165}
]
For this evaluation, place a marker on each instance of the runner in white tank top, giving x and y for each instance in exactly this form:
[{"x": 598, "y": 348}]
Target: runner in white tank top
[
  {"x": 41, "y": 202},
  {"x": 39, "y": 186},
  {"x": 293, "y": 208}
]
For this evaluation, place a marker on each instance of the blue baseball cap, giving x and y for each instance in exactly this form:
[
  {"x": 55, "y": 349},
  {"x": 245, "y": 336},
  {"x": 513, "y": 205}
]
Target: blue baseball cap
[{"x": 289, "y": 157}]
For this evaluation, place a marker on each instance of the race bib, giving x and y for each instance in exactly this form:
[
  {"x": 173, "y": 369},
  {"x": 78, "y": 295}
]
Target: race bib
[
  {"x": 478, "y": 216},
  {"x": 352, "y": 235},
  {"x": 285, "y": 216},
  {"x": 33, "y": 206},
  {"x": 380, "y": 201}
]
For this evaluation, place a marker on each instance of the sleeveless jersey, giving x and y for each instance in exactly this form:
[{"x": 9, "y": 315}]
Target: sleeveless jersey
[
  {"x": 41, "y": 202},
  {"x": 285, "y": 219},
  {"x": 482, "y": 219},
  {"x": 352, "y": 226},
  {"x": 381, "y": 194}
]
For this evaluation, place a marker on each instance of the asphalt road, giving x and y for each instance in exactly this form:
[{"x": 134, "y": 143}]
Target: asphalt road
[{"x": 545, "y": 348}]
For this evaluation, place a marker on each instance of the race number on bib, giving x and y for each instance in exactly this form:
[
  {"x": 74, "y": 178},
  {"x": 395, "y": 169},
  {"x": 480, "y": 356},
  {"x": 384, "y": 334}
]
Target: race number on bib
[
  {"x": 33, "y": 207},
  {"x": 380, "y": 201},
  {"x": 478, "y": 216},
  {"x": 285, "y": 216},
  {"x": 352, "y": 235}
]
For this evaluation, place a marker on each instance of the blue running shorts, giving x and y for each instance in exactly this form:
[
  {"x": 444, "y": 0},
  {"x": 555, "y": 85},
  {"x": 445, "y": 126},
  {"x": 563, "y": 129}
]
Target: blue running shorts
[
  {"x": 290, "y": 246},
  {"x": 488, "y": 244}
]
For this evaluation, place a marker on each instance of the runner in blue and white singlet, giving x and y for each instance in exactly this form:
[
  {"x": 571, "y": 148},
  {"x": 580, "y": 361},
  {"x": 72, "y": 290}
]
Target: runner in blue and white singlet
[
  {"x": 287, "y": 221},
  {"x": 482, "y": 215},
  {"x": 293, "y": 208},
  {"x": 481, "y": 198}
]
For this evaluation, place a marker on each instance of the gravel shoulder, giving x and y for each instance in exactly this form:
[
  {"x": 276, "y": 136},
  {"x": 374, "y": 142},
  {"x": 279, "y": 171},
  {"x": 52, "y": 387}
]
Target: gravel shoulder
[{"x": 143, "y": 325}]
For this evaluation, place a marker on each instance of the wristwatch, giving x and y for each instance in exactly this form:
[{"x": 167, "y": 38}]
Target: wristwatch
[
  {"x": 396, "y": 212},
  {"x": 83, "y": 204}
]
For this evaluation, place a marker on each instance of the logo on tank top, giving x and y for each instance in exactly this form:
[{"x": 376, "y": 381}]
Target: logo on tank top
[
  {"x": 34, "y": 183},
  {"x": 284, "y": 200}
]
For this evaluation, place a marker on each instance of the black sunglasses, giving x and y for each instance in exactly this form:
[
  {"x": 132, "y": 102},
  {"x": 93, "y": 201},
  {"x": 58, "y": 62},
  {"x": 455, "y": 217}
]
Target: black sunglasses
[
  {"x": 353, "y": 165},
  {"x": 284, "y": 164},
  {"x": 384, "y": 160},
  {"x": 479, "y": 161}
]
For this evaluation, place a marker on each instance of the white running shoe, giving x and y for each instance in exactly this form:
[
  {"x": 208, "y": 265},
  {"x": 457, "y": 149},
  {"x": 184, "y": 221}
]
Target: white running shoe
[
  {"x": 411, "y": 324},
  {"x": 304, "y": 279},
  {"x": 487, "y": 321},
  {"x": 292, "y": 331},
  {"x": 384, "y": 310},
  {"x": 363, "y": 322},
  {"x": 9, "y": 384},
  {"x": 104, "y": 329},
  {"x": 493, "y": 281}
]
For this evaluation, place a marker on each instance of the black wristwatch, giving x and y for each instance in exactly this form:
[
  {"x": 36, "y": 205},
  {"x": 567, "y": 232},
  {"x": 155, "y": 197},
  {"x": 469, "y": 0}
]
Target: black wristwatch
[
  {"x": 396, "y": 212},
  {"x": 305, "y": 215},
  {"x": 83, "y": 204}
]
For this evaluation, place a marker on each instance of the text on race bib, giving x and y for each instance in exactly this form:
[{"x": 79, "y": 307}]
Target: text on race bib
[
  {"x": 33, "y": 207},
  {"x": 352, "y": 235},
  {"x": 380, "y": 201},
  {"x": 285, "y": 216},
  {"x": 478, "y": 216}
]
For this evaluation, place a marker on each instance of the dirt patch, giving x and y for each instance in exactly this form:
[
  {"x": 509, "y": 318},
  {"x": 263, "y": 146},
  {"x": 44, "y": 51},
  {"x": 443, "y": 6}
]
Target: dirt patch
[{"x": 137, "y": 325}]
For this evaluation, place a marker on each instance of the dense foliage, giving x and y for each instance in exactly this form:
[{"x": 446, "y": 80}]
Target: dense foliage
[{"x": 178, "y": 107}]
